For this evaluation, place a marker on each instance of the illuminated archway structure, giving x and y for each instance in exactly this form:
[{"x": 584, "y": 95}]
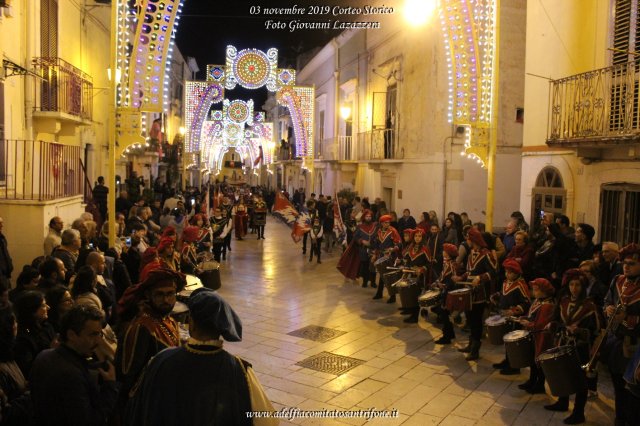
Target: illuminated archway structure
[
  {"x": 469, "y": 29},
  {"x": 236, "y": 125}
]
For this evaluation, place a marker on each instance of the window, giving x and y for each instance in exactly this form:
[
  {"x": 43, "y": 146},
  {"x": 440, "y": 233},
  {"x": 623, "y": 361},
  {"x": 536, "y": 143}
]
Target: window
[
  {"x": 620, "y": 213},
  {"x": 549, "y": 195},
  {"x": 626, "y": 31}
]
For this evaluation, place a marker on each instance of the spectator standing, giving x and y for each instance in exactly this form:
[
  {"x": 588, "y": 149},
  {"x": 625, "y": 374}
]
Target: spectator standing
[
  {"x": 100, "y": 194},
  {"x": 54, "y": 237}
]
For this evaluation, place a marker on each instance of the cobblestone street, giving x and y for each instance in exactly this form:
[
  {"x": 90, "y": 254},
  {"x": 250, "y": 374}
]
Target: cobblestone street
[{"x": 276, "y": 291}]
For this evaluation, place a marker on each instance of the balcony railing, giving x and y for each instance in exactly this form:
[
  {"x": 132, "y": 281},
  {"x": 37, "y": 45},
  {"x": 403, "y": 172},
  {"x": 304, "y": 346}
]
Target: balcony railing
[
  {"x": 346, "y": 147},
  {"x": 596, "y": 106},
  {"x": 37, "y": 170},
  {"x": 63, "y": 88}
]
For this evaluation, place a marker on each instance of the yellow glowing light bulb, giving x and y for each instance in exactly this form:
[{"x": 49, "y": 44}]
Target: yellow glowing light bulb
[{"x": 417, "y": 12}]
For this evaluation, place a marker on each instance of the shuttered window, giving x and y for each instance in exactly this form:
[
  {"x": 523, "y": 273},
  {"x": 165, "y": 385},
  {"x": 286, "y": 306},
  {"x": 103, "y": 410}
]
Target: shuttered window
[
  {"x": 620, "y": 213},
  {"x": 49, "y": 28}
]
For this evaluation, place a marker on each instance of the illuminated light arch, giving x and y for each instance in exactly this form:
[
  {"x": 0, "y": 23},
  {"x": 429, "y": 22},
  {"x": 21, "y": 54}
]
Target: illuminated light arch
[
  {"x": 252, "y": 69},
  {"x": 469, "y": 33}
]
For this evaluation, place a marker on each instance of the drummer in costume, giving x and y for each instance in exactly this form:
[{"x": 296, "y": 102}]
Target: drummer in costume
[
  {"x": 385, "y": 242},
  {"x": 362, "y": 238},
  {"x": 240, "y": 219},
  {"x": 417, "y": 259},
  {"x": 512, "y": 301},
  {"x": 580, "y": 319},
  {"x": 188, "y": 255},
  {"x": 220, "y": 227},
  {"x": 260, "y": 216},
  {"x": 481, "y": 271},
  {"x": 622, "y": 307},
  {"x": 445, "y": 283},
  {"x": 150, "y": 329},
  {"x": 203, "y": 241},
  {"x": 407, "y": 241},
  {"x": 539, "y": 316},
  {"x": 166, "y": 254}
]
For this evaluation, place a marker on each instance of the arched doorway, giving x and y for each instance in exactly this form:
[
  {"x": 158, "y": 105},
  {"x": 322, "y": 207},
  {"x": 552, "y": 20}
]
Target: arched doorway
[{"x": 549, "y": 195}]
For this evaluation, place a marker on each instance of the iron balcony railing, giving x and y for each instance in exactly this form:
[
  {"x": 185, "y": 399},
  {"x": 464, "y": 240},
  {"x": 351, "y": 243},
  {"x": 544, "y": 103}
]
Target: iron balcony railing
[
  {"x": 37, "y": 170},
  {"x": 63, "y": 88},
  {"x": 377, "y": 144},
  {"x": 595, "y": 106}
]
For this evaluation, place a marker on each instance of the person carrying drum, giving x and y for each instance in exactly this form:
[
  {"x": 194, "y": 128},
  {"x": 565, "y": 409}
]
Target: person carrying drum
[
  {"x": 512, "y": 301},
  {"x": 416, "y": 262},
  {"x": 539, "y": 316},
  {"x": 481, "y": 271},
  {"x": 362, "y": 237},
  {"x": 392, "y": 277},
  {"x": 446, "y": 284},
  {"x": 579, "y": 319},
  {"x": 188, "y": 256},
  {"x": 622, "y": 309},
  {"x": 385, "y": 243}
]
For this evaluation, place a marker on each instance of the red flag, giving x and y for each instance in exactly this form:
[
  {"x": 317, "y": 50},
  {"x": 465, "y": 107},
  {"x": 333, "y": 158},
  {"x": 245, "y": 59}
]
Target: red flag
[
  {"x": 283, "y": 209},
  {"x": 301, "y": 226},
  {"x": 338, "y": 225}
]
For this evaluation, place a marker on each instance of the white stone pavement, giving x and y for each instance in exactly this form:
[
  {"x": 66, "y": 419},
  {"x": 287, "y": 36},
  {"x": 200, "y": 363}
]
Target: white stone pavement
[{"x": 275, "y": 290}]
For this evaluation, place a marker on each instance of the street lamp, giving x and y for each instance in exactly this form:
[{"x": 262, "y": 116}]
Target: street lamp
[
  {"x": 345, "y": 112},
  {"x": 182, "y": 130},
  {"x": 417, "y": 12}
]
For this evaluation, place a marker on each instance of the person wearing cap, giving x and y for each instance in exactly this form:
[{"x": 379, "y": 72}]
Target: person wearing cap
[
  {"x": 385, "y": 242},
  {"x": 151, "y": 329},
  {"x": 166, "y": 253},
  {"x": 363, "y": 239},
  {"x": 539, "y": 316},
  {"x": 622, "y": 306},
  {"x": 201, "y": 383},
  {"x": 446, "y": 284},
  {"x": 481, "y": 271},
  {"x": 220, "y": 227},
  {"x": 417, "y": 260},
  {"x": 512, "y": 301},
  {"x": 584, "y": 240},
  {"x": 579, "y": 319}
]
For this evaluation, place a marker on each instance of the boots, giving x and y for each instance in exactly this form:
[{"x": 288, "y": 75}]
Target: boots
[
  {"x": 413, "y": 318},
  {"x": 562, "y": 404},
  {"x": 577, "y": 416},
  {"x": 474, "y": 353},
  {"x": 380, "y": 289},
  {"x": 392, "y": 299},
  {"x": 447, "y": 334}
]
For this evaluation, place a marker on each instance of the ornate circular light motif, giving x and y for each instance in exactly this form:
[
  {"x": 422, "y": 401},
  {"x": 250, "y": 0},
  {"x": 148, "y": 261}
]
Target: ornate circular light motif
[
  {"x": 251, "y": 68},
  {"x": 238, "y": 111}
]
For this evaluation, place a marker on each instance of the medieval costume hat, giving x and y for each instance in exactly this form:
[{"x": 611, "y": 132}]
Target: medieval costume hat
[
  {"x": 543, "y": 285},
  {"x": 512, "y": 265},
  {"x": 209, "y": 309},
  {"x": 385, "y": 218},
  {"x": 190, "y": 234},
  {"x": 631, "y": 250},
  {"x": 476, "y": 237},
  {"x": 451, "y": 250}
]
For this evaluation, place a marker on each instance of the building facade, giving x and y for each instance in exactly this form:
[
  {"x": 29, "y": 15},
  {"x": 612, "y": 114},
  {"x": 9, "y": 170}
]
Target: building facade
[
  {"x": 381, "y": 124},
  {"x": 581, "y": 152}
]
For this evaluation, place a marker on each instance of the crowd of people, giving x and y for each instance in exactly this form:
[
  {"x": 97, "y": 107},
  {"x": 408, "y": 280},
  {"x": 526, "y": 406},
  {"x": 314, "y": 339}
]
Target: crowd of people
[
  {"x": 84, "y": 320},
  {"x": 552, "y": 283},
  {"x": 79, "y": 329}
]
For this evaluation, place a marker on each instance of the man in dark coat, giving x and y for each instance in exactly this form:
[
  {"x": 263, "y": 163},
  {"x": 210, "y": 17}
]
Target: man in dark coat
[
  {"x": 62, "y": 388},
  {"x": 100, "y": 194},
  {"x": 406, "y": 221}
]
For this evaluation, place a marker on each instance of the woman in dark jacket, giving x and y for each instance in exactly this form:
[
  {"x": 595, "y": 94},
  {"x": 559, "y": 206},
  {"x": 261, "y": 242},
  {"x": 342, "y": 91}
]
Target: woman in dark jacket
[{"x": 35, "y": 334}]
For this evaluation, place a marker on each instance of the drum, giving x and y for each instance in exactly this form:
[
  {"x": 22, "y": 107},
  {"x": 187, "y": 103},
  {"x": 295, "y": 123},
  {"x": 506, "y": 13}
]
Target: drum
[
  {"x": 496, "y": 328},
  {"x": 430, "y": 298},
  {"x": 562, "y": 370},
  {"x": 389, "y": 278},
  {"x": 193, "y": 283},
  {"x": 210, "y": 274},
  {"x": 180, "y": 312},
  {"x": 519, "y": 347},
  {"x": 405, "y": 282},
  {"x": 409, "y": 294},
  {"x": 381, "y": 264},
  {"x": 459, "y": 300}
]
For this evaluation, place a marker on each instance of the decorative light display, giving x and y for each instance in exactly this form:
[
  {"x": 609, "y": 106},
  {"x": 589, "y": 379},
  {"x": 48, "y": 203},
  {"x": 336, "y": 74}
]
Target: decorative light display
[
  {"x": 151, "y": 54},
  {"x": 469, "y": 30},
  {"x": 237, "y": 126},
  {"x": 251, "y": 68},
  {"x": 215, "y": 73},
  {"x": 299, "y": 100},
  {"x": 286, "y": 77},
  {"x": 238, "y": 111}
]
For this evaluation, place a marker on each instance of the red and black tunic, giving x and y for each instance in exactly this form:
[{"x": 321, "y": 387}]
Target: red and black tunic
[
  {"x": 515, "y": 297},
  {"x": 540, "y": 315},
  {"x": 481, "y": 263},
  {"x": 418, "y": 256}
]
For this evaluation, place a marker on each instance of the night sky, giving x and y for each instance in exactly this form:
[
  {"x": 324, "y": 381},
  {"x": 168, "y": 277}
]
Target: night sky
[{"x": 207, "y": 26}]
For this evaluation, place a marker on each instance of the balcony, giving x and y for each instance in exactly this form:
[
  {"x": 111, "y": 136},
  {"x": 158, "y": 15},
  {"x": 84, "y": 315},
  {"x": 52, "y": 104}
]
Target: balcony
[
  {"x": 63, "y": 96},
  {"x": 39, "y": 171},
  {"x": 596, "y": 108}
]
